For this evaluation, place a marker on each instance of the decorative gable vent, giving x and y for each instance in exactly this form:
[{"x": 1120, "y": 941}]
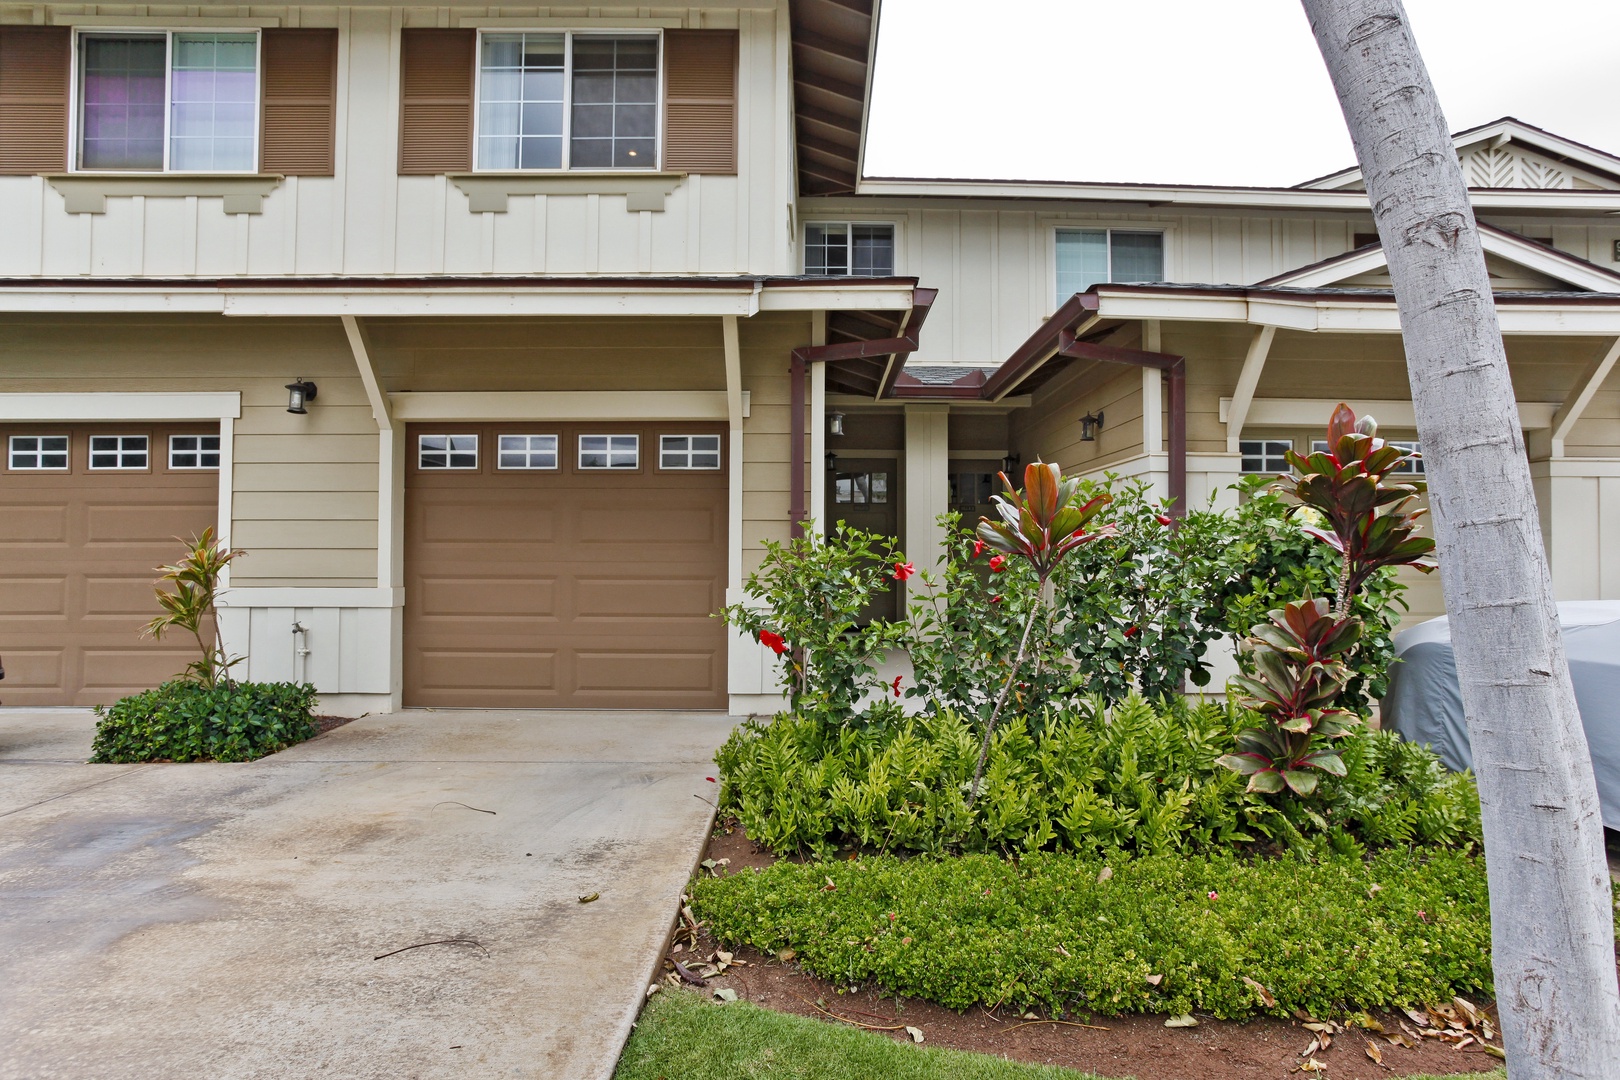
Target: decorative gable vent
[{"x": 1506, "y": 167}]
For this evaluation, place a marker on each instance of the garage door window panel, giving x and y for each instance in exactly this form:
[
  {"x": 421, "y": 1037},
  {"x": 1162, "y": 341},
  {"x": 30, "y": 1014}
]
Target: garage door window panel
[
  {"x": 446, "y": 452},
  {"x": 609, "y": 452},
  {"x": 38, "y": 453},
  {"x": 689, "y": 452},
  {"x": 193, "y": 452},
  {"x": 528, "y": 452},
  {"x": 120, "y": 453}
]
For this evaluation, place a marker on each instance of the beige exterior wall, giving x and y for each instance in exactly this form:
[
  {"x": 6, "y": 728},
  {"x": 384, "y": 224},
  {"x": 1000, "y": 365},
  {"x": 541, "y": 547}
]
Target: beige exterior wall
[
  {"x": 367, "y": 219},
  {"x": 305, "y": 495},
  {"x": 765, "y": 342},
  {"x": 1049, "y": 430}
]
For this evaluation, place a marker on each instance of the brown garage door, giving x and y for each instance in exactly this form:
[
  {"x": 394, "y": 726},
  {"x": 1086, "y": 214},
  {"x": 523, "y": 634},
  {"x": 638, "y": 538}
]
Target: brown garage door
[
  {"x": 565, "y": 566},
  {"x": 86, "y": 513}
]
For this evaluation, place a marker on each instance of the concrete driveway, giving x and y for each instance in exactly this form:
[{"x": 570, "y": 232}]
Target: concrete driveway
[{"x": 217, "y": 921}]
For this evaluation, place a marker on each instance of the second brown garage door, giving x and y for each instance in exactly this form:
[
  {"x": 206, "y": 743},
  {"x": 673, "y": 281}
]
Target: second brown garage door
[
  {"x": 86, "y": 513},
  {"x": 565, "y": 566}
]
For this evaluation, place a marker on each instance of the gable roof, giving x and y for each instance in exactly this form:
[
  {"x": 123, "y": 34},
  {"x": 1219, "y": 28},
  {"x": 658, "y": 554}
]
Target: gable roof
[
  {"x": 833, "y": 42},
  {"x": 1494, "y": 170},
  {"x": 1510, "y": 247}
]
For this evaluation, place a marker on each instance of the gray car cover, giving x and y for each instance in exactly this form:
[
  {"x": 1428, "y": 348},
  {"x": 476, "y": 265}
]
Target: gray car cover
[{"x": 1424, "y": 704}]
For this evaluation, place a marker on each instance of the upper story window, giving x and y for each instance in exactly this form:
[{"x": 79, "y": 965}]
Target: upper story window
[
  {"x": 843, "y": 249},
  {"x": 168, "y": 102},
  {"x": 1087, "y": 257},
  {"x": 567, "y": 101}
]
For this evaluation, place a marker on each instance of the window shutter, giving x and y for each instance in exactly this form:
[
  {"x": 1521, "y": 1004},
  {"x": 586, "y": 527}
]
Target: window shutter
[
  {"x": 700, "y": 104},
  {"x": 436, "y": 113},
  {"x": 300, "y": 102},
  {"x": 34, "y": 99}
]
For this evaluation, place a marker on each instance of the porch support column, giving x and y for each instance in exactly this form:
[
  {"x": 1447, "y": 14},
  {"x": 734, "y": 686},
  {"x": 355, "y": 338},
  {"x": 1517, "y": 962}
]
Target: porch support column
[
  {"x": 818, "y": 429},
  {"x": 927, "y": 484}
]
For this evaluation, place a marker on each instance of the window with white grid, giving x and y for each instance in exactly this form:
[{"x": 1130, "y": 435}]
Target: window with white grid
[
  {"x": 119, "y": 452},
  {"x": 528, "y": 452},
  {"x": 38, "y": 452},
  {"x": 610, "y": 451},
  {"x": 193, "y": 451},
  {"x": 689, "y": 452},
  {"x": 447, "y": 452},
  {"x": 848, "y": 250},
  {"x": 1412, "y": 464},
  {"x": 1265, "y": 455}
]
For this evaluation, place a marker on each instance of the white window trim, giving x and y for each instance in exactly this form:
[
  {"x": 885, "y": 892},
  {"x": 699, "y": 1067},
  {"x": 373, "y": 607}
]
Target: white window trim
[
  {"x": 200, "y": 451},
  {"x": 1263, "y": 455},
  {"x": 569, "y": 33},
  {"x": 894, "y": 224},
  {"x": 579, "y": 451},
  {"x": 500, "y": 466},
  {"x": 719, "y": 452},
  {"x": 41, "y": 452},
  {"x": 90, "y": 459},
  {"x": 76, "y": 98},
  {"x": 477, "y": 451},
  {"x": 1052, "y": 223}
]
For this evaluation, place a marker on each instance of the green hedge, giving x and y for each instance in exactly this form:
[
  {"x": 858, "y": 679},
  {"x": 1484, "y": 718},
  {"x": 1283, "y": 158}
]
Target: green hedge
[
  {"x": 1329, "y": 936},
  {"x": 189, "y": 721},
  {"x": 1137, "y": 776}
]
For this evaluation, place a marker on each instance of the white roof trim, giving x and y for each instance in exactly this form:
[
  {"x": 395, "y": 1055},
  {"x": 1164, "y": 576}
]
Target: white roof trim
[
  {"x": 1507, "y": 129},
  {"x": 1505, "y": 245}
]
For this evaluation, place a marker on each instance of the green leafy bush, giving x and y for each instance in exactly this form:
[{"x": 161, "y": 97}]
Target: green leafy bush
[
  {"x": 1055, "y": 930},
  {"x": 185, "y": 720},
  {"x": 1135, "y": 777}
]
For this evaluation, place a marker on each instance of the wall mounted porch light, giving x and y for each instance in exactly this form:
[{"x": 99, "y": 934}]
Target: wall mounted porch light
[
  {"x": 1010, "y": 463},
  {"x": 299, "y": 394},
  {"x": 832, "y": 461},
  {"x": 1089, "y": 426},
  {"x": 835, "y": 423}
]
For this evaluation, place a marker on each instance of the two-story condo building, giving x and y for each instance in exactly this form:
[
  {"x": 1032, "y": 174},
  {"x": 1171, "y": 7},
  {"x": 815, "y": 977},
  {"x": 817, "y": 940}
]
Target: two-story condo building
[{"x": 501, "y": 338}]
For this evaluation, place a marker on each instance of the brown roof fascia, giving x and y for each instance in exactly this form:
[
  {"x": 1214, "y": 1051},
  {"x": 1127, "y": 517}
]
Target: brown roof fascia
[
  {"x": 743, "y": 283},
  {"x": 1039, "y": 346}
]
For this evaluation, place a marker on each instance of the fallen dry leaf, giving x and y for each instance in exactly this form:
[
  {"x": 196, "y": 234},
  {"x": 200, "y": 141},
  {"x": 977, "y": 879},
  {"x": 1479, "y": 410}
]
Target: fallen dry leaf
[
  {"x": 589, "y": 897},
  {"x": 1376, "y": 1054},
  {"x": 1496, "y": 1052},
  {"x": 1265, "y": 995},
  {"x": 1185, "y": 1020},
  {"x": 726, "y": 995},
  {"x": 785, "y": 955},
  {"x": 915, "y": 1033},
  {"x": 1313, "y": 1066},
  {"x": 1155, "y": 980},
  {"x": 1104, "y": 874},
  {"x": 1316, "y": 1044}
]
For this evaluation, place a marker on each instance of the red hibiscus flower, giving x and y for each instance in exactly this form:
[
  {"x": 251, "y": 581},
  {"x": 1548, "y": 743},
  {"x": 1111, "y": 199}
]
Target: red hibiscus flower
[
  {"x": 1163, "y": 519},
  {"x": 995, "y": 599},
  {"x": 997, "y": 562},
  {"x": 1131, "y": 631},
  {"x": 978, "y": 548},
  {"x": 897, "y": 685},
  {"x": 773, "y": 642},
  {"x": 903, "y": 570}
]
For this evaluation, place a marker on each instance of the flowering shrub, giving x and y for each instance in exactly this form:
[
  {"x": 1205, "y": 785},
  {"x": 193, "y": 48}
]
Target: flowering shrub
[{"x": 813, "y": 592}]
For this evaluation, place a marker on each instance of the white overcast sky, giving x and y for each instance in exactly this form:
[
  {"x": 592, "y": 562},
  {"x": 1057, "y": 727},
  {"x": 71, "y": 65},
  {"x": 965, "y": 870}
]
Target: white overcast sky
[{"x": 1202, "y": 91}]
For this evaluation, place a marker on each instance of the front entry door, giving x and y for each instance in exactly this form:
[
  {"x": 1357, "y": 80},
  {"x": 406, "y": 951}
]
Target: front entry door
[{"x": 865, "y": 493}]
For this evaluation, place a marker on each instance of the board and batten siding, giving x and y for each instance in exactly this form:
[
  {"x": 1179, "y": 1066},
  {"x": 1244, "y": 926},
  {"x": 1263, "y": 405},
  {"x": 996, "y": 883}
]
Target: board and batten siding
[
  {"x": 304, "y": 502},
  {"x": 366, "y": 218}
]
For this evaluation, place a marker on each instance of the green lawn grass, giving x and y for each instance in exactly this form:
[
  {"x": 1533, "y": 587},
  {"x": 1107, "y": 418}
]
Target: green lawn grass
[{"x": 680, "y": 1036}]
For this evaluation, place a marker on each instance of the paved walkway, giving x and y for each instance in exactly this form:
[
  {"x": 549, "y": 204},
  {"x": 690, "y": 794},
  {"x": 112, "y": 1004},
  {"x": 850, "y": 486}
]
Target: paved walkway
[{"x": 221, "y": 921}]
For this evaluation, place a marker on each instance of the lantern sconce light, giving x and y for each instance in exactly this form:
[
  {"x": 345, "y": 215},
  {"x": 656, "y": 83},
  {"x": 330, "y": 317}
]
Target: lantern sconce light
[
  {"x": 1010, "y": 463},
  {"x": 299, "y": 394},
  {"x": 1089, "y": 426},
  {"x": 835, "y": 423},
  {"x": 832, "y": 461}
]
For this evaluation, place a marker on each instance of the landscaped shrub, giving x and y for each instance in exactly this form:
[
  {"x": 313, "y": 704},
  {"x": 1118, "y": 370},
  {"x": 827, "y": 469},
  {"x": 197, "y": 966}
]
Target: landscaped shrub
[
  {"x": 1136, "y": 778},
  {"x": 1160, "y": 933},
  {"x": 185, "y": 720}
]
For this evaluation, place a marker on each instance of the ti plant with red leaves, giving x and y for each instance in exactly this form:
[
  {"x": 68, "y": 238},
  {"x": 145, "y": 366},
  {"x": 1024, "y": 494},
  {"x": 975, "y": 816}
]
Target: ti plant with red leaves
[
  {"x": 1040, "y": 524},
  {"x": 1300, "y": 666}
]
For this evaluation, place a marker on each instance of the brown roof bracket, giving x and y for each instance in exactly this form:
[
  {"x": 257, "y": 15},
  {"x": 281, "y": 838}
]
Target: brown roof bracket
[{"x": 799, "y": 361}]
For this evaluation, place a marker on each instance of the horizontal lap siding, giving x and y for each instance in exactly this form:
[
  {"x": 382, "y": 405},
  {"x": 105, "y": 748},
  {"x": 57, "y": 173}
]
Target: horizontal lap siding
[
  {"x": 1050, "y": 429},
  {"x": 305, "y": 494},
  {"x": 765, "y": 342}
]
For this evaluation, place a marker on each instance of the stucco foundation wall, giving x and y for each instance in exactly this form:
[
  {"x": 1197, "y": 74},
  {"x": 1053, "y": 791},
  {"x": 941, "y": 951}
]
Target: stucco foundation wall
[{"x": 304, "y": 502}]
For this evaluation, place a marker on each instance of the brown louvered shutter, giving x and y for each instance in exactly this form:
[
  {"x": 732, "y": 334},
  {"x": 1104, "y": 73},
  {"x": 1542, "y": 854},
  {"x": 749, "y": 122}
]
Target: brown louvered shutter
[
  {"x": 300, "y": 102},
  {"x": 436, "y": 113},
  {"x": 700, "y": 104},
  {"x": 34, "y": 99}
]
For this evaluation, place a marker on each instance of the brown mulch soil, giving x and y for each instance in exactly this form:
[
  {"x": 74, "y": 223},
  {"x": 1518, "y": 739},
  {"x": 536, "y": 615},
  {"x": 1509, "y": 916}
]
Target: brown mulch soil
[
  {"x": 1115, "y": 1046},
  {"x": 323, "y": 724}
]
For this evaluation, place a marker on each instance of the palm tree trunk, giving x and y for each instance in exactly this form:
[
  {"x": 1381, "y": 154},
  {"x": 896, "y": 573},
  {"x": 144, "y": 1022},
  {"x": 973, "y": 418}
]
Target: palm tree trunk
[{"x": 1552, "y": 920}]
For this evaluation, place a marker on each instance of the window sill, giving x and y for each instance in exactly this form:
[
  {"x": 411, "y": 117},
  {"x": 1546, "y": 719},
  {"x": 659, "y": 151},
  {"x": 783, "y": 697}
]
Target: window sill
[
  {"x": 86, "y": 193},
  {"x": 488, "y": 192}
]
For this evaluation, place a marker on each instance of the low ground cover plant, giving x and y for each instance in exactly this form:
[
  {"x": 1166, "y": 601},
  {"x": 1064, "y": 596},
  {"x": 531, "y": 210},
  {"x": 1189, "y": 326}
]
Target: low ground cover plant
[
  {"x": 185, "y": 720},
  {"x": 1136, "y": 777},
  {"x": 1215, "y": 934},
  {"x": 202, "y": 714}
]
